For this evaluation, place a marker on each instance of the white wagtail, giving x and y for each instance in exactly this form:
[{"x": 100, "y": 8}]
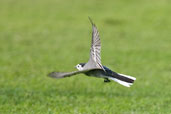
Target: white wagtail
[{"x": 94, "y": 67}]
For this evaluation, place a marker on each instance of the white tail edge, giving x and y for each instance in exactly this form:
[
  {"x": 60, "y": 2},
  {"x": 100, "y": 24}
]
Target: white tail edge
[
  {"x": 124, "y": 83},
  {"x": 133, "y": 78}
]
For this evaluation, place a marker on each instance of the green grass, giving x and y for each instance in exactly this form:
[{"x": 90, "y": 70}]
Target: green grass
[{"x": 37, "y": 37}]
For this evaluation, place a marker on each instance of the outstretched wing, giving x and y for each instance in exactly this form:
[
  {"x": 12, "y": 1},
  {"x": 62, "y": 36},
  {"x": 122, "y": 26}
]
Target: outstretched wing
[
  {"x": 95, "y": 58},
  {"x": 66, "y": 74},
  {"x": 63, "y": 74}
]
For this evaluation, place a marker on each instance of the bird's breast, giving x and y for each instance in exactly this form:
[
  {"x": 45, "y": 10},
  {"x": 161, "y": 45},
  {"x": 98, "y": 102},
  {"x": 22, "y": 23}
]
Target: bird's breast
[{"x": 96, "y": 73}]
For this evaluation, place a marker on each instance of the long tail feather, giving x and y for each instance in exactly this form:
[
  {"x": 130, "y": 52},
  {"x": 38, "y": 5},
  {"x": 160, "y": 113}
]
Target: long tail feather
[{"x": 123, "y": 79}]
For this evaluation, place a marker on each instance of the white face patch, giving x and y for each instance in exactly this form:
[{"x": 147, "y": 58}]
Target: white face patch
[{"x": 79, "y": 67}]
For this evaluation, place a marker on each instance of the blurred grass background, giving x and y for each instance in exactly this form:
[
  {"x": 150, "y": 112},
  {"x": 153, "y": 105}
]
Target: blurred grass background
[{"x": 37, "y": 37}]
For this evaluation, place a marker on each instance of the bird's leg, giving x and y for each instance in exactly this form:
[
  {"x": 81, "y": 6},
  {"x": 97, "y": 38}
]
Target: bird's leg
[{"x": 106, "y": 80}]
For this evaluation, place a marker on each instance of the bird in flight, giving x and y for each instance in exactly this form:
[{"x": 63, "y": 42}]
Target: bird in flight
[{"x": 94, "y": 67}]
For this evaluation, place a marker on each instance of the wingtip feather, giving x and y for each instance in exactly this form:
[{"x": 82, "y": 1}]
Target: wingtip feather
[{"x": 91, "y": 21}]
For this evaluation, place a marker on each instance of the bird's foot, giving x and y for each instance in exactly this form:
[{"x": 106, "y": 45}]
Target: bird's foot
[{"x": 106, "y": 80}]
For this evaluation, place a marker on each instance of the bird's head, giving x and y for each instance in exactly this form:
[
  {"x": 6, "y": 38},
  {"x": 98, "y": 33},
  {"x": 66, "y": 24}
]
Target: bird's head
[{"x": 80, "y": 66}]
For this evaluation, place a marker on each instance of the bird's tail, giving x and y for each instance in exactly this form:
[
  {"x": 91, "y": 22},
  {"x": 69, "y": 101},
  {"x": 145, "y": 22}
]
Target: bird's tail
[{"x": 123, "y": 79}]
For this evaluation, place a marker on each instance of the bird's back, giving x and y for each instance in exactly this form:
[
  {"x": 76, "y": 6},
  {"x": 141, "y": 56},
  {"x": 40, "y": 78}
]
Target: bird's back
[
  {"x": 100, "y": 72},
  {"x": 108, "y": 71}
]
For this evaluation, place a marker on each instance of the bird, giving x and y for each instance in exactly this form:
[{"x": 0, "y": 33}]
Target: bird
[{"x": 94, "y": 66}]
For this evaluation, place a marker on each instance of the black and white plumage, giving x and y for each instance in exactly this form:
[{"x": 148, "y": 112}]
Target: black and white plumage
[{"x": 94, "y": 67}]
